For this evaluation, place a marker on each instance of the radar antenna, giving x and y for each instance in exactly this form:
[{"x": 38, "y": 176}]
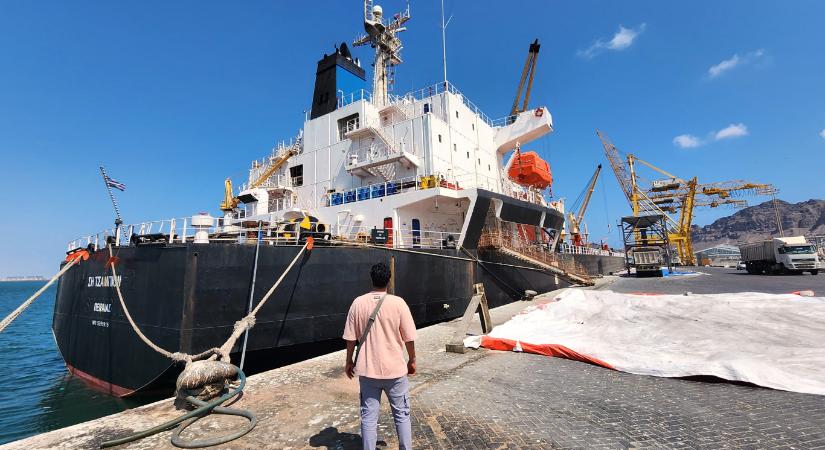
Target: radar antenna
[{"x": 387, "y": 46}]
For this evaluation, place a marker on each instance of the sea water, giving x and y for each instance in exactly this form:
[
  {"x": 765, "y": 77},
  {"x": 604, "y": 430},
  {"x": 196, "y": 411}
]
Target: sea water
[{"x": 37, "y": 394}]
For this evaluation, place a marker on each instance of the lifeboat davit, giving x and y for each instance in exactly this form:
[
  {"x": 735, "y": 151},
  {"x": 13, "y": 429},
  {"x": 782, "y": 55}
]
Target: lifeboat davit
[{"x": 528, "y": 169}]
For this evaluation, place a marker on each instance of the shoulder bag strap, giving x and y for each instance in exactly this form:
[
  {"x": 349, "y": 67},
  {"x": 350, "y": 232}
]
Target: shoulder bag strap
[{"x": 363, "y": 337}]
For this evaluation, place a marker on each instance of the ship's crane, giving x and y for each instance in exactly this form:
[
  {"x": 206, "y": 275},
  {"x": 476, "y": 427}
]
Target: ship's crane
[
  {"x": 528, "y": 71},
  {"x": 576, "y": 215},
  {"x": 673, "y": 194},
  {"x": 230, "y": 202}
]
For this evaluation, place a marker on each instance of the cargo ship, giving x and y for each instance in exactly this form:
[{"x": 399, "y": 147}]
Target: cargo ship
[{"x": 424, "y": 181}]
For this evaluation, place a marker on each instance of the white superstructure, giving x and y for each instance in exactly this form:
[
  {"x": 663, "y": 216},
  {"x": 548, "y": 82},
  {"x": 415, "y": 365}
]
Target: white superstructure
[
  {"x": 420, "y": 157},
  {"x": 404, "y": 163}
]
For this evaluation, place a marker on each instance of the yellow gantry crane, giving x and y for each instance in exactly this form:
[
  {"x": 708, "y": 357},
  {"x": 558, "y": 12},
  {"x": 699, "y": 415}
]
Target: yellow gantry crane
[
  {"x": 575, "y": 218},
  {"x": 673, "y": 194}
]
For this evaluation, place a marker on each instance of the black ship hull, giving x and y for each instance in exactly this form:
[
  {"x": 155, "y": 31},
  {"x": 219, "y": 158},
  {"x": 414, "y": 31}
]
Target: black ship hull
[{"x": 187, "y": 297}]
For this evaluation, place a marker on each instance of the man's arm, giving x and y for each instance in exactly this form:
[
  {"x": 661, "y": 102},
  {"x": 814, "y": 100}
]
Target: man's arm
[
  {"x": 349, "y": 368},
  {"x": 411, "y": 352}
]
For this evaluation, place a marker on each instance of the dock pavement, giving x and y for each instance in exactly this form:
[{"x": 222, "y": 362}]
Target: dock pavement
[{"x": 486, "y": 399}]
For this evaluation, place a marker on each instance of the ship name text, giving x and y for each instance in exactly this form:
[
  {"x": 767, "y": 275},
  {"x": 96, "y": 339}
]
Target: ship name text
[{"x": 104, "y": 281}]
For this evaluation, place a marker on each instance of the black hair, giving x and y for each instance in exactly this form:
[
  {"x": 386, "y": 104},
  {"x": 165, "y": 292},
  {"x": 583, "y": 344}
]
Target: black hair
[{"x": 380, "y": 275}]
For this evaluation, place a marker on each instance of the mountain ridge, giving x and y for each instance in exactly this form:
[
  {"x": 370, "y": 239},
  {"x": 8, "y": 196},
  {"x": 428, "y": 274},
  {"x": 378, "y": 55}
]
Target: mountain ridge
[{"x": 759, "y": 222}]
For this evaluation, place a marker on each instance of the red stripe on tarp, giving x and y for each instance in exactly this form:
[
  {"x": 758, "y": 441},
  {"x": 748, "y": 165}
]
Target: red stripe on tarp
[
  {"x": 99, "y": 384},
  {"x": 552, "y": 350}
]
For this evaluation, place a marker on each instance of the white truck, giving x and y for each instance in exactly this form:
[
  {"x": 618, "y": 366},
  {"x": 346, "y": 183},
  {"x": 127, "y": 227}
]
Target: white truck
[{"x": 781, "y": 255}]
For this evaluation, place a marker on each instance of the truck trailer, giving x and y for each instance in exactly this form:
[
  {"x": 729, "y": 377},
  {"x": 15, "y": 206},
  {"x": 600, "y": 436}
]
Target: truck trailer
[
  {"x": 647, "y": 261},
  {"x": 780, "y": 255}
]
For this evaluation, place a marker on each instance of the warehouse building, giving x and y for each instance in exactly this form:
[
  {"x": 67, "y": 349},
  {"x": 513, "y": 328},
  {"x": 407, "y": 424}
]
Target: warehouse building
[{"x": 724, "y": 255}]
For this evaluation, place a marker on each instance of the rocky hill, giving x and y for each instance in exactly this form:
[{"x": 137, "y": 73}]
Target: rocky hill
[{"x": 758, "y": 222}]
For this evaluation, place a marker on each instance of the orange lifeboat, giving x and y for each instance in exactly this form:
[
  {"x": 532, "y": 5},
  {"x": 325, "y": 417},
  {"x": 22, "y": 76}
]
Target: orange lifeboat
[{"x": 528, "y": 169}]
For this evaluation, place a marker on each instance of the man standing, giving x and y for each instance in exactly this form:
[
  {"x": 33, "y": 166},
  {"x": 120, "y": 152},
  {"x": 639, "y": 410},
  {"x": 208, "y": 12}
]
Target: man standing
[{"x": 382, "y": 326}]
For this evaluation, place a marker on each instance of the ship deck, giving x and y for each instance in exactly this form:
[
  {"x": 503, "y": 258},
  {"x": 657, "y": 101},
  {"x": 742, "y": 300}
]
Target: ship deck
[{"x": 493, "y": 399}]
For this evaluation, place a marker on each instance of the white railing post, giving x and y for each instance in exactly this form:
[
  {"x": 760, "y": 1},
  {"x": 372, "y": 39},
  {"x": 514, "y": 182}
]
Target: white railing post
[
  {"x": 183, "y": 233},
  {"x": 171, "y": 231}
]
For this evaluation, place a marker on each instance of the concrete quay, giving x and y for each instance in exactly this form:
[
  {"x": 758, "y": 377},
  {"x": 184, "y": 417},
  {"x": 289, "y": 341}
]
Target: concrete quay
[{"x": 487, "y": 399}]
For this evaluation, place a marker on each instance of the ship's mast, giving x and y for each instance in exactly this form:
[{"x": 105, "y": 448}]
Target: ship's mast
[{"x": 383, "y": 38}]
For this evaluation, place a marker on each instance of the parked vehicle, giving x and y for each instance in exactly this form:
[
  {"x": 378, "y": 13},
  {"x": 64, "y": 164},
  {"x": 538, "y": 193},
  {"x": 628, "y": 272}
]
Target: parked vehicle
[
  {"x": 741, "y": 265},
  {"x": 647, "y": 261},
  {"x": 780, "y": 255}
]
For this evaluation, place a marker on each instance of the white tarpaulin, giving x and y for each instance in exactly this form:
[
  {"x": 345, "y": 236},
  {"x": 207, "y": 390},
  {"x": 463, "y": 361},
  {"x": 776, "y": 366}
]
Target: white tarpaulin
[{"x": 776, "y": 341}]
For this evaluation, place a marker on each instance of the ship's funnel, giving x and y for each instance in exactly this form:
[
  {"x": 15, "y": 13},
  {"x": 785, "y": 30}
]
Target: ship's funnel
[{"x": 337, "y": 75}]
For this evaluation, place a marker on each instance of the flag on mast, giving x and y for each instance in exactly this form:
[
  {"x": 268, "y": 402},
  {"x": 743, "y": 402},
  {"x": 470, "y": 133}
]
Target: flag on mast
[{"x": 111, "y": 182}]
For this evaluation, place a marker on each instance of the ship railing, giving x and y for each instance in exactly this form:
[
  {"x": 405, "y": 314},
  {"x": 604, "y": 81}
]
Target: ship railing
[
  {"x": 275, "y": 182},
  {"x": 440, "y": 88},
  {"x": 433, "y": 90},
  {"x": 406, "y": 238},
  {"x": 582, "y": 250},
  {"x": 415, "y": 183},
  {"x": 537, "y": 251},
  {"x": 504, "y": 121},
  {"x": 345, "y": 99},
  {"x": 385, "y": 189},
  {"x": 370, "y": 153},
  {"x": 527, "y": 194},
  {"x": 180, "y": 230},
  {"x": 477, "y": 180},
  {"x": 176, "y": 228}
]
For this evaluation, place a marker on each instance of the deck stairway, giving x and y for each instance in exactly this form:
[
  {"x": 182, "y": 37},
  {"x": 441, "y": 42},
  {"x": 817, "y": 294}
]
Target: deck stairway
[
  {"x": 518, "y": 248},
  {"x": 379, "y": 158}
]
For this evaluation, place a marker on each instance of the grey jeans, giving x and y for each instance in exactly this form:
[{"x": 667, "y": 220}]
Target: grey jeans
[{"x": 398, "y": 392}]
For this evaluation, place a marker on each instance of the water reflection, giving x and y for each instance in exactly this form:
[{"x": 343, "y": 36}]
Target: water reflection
[{"x": 69, "y": 401}]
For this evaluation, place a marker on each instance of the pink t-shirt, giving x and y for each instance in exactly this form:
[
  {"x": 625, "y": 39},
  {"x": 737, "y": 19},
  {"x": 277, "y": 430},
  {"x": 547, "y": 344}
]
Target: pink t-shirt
[{"x": 382, "y": 355}]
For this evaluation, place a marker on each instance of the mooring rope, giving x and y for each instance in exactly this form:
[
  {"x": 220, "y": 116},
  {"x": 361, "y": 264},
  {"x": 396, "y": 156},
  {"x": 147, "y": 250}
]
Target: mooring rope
[
  {"x": 239, "y": 327},
  {"x": 194, "y": 372},
  {"x": 14, "y": 314},
  {"x": 191, "y": 417}
]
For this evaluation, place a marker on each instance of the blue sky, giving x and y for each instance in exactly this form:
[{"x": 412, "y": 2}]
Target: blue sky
[{"x": 175, "y": 96}]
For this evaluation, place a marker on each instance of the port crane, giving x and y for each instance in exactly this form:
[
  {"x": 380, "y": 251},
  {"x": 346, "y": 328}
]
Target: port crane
[
  {"x": 576, "y": 216},
  {"x": 672, "y": 194}
]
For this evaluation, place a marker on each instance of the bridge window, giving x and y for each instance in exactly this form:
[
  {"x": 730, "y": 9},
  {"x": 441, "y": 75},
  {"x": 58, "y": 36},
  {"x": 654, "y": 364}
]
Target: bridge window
[
  {"x": 297, "y": 175},
  {"x": 346, "y": 125}
]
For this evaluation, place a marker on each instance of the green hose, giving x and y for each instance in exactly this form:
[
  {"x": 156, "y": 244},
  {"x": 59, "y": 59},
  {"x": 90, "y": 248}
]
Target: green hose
[{"x": 203, "y": 409}]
